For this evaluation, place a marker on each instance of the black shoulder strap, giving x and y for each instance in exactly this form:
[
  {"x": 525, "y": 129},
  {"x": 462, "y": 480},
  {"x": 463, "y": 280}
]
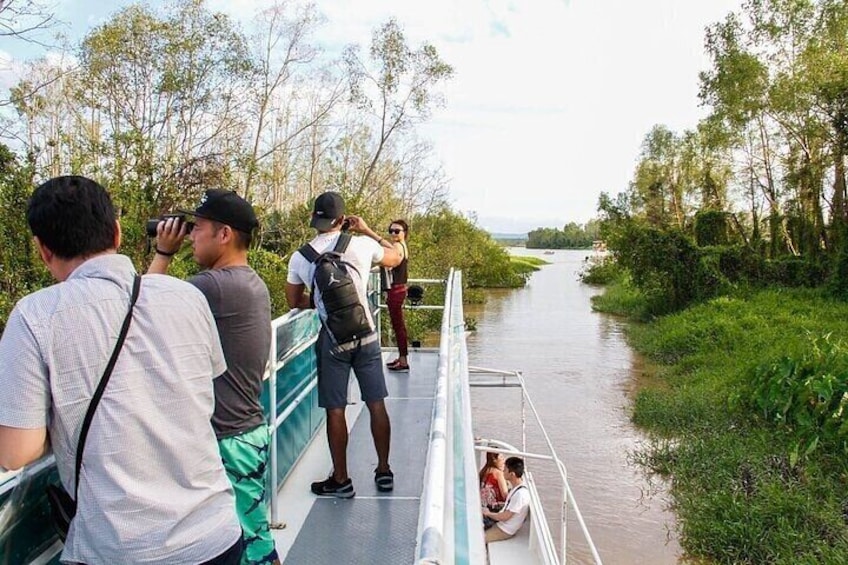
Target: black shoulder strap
[
  {"x": 95, "y": 400},
  {"x": 342, "y": 242},
  {"x": 311, "y": 255},
  {"x": 308, "y": 252},
  {"x": 513, "y": 491}
]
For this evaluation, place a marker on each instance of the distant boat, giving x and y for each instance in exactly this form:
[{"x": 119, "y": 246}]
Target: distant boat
[{"x": 549, "y": 253}]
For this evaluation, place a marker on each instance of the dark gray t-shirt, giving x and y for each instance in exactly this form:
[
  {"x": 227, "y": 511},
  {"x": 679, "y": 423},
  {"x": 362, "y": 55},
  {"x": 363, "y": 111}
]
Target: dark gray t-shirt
[{"x": 240, "y": 302}]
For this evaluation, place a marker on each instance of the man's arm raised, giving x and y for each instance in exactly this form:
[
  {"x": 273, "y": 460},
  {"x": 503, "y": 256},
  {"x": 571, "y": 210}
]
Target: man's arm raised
[
  {"x": 391, "y": 258},
  {"x": 169, "y": 237}
]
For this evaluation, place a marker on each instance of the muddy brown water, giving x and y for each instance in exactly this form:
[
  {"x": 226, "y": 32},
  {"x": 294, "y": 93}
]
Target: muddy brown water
[{"x": 580, "y": 373}]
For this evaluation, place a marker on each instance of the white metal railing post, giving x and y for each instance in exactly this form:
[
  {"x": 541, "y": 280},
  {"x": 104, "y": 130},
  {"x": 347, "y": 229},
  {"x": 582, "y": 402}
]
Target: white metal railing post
[
  {"x": 563, "y": 514},
  {"x": 466, "y": 467},
  {"x": 523, "y": 423}
]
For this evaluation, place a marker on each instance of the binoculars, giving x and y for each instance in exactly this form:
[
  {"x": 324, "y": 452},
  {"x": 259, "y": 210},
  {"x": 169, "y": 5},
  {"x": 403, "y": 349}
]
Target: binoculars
[{"x": 153, "y": 224}]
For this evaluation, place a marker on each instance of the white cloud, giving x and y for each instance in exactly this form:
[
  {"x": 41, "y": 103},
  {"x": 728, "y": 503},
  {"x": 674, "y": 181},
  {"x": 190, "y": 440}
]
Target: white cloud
[{"x": 10, "y": 72}]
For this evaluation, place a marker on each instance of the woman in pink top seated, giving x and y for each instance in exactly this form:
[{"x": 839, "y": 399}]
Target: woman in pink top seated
[{"x": 493, "y": 485}]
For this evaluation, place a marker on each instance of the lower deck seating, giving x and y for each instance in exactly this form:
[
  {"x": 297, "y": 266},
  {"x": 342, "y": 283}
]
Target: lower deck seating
[{"x": 513, "y": 550}]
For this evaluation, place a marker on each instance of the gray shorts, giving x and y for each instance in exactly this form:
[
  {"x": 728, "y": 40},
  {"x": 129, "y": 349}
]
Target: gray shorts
[{"x": 334, "y": 371}]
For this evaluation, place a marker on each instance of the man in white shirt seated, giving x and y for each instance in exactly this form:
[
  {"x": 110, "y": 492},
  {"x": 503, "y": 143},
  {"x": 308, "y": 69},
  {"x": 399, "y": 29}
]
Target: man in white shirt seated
[{"x": 516, "y": 507}]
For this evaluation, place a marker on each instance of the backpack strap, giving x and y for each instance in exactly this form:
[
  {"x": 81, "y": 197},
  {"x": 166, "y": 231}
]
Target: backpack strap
[
  {"x": 311, "y": 255},
  {"x": 342, "y": 243},
  {"x": 308, "y": 252}
]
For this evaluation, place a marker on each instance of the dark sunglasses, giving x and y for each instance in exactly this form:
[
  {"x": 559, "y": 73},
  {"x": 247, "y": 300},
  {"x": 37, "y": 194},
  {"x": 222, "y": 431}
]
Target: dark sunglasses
[{"x": 395, "y": 231}]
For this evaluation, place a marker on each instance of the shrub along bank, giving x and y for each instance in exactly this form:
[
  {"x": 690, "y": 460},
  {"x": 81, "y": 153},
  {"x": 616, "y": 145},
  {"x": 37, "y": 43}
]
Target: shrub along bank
[{"x": 746, "y": 408}]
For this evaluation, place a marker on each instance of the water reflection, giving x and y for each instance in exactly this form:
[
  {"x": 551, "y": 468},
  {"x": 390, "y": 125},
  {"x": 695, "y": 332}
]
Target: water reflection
[{"x": 579, "y": 370}]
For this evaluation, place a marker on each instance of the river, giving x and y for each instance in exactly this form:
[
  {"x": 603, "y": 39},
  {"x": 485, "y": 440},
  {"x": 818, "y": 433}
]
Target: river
[{"x": 579, "y": 372}]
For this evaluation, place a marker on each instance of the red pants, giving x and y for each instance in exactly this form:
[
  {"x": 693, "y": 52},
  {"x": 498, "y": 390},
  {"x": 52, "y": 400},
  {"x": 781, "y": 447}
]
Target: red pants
[{"x": 394, "y": 300}]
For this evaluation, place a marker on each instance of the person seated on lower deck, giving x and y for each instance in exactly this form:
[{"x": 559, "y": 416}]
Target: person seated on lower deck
[
  {"x": 509, "y": 520},
  {"x": 493, "y": 485}
]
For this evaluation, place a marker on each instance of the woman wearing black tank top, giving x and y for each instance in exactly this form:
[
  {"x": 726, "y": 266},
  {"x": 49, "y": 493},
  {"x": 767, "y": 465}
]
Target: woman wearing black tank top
[{"x": 398, "y": 231}]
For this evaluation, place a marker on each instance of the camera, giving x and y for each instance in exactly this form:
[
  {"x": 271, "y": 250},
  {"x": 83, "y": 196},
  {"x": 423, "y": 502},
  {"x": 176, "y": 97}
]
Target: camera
[
  {"x": 153, "y": 224},
  {"x": 346, "y": 224}
]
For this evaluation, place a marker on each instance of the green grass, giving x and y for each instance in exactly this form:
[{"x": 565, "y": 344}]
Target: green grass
[
  {"x": 524, "y": 264},
  {"x": 623, "y": 299},
  {"x": 741, "y": 493}
]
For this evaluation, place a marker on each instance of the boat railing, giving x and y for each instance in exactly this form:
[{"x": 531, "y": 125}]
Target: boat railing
[
  {"x": 516, "y": 379},
  {"x": 449, "y": 522},
  {"x": 377, "y": 306}
]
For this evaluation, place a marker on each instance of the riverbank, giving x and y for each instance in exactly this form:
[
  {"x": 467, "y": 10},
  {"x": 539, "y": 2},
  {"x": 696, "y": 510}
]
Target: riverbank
[{"x": 745, "y": 411}]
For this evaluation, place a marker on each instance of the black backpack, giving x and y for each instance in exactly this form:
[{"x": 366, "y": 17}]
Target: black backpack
[{"x": 336, "y": 280}]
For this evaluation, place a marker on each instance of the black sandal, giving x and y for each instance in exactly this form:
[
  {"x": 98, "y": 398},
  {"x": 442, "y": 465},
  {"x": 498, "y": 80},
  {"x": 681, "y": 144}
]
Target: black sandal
[{"x": 385, "y": 480}]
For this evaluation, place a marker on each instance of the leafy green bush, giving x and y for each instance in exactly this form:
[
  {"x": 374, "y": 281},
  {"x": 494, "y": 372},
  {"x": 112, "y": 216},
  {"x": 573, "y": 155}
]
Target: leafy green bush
[
  {"x": 445, "y": 239},
  {"x": 710, "y": 227},
  {"x": 272, "y": 269},
  {"x": 601, "y": 271},
  {"x": 796, "y": 272},
  {"x": 665, "y": 266},
  {"x": 738, "y": 263},
  {"x": 622, "y": 298},
  {"x": 807, "y": 395}
]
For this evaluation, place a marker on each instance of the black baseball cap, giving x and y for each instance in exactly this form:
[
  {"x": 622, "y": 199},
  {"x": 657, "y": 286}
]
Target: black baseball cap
[
  {"x": 328, "y": 207},
  {"x": 227, "y": 207}
]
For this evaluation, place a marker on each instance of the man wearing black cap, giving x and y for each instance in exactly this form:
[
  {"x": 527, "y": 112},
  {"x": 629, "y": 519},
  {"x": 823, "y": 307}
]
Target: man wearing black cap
[
  {"x": 240, "y": 303},
  {"x": 363, "y": 354}
]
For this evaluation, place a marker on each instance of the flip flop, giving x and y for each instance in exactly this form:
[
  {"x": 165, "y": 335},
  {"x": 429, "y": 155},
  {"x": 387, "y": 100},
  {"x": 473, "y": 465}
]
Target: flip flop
[
  {"x": 399, "y": 367},
  {"x": 392, "y": 363}
]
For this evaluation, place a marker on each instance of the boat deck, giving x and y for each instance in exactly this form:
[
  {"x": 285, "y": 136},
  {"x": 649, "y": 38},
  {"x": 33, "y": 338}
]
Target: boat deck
[{"x": 373, "y": 527}]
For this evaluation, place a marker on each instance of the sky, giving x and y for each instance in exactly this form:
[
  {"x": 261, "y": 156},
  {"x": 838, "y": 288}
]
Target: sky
[{"x": 550, "y": 99}]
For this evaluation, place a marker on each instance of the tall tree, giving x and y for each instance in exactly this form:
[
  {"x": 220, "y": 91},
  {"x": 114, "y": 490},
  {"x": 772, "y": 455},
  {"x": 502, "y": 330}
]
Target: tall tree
[{"x": 397, "y": 87}]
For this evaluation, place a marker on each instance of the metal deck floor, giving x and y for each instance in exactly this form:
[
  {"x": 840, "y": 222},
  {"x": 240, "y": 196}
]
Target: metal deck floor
[{"x": 374, "y": 527}]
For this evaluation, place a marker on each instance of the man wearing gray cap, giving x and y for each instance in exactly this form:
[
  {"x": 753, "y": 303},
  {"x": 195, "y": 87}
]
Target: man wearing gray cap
[
  {"x": 240, "y": 303},
  {"x": 362, "y": 354}
]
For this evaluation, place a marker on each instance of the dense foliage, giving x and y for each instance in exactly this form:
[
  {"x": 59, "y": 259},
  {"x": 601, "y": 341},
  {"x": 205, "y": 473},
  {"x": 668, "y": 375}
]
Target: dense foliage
[
  {"x": 571, "y": 236},
  {"x": 438, "y": 241}
]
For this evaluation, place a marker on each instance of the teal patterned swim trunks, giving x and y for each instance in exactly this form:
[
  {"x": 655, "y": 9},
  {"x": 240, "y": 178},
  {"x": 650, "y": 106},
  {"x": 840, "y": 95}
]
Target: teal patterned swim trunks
[{"x": 245, "y": 458}]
